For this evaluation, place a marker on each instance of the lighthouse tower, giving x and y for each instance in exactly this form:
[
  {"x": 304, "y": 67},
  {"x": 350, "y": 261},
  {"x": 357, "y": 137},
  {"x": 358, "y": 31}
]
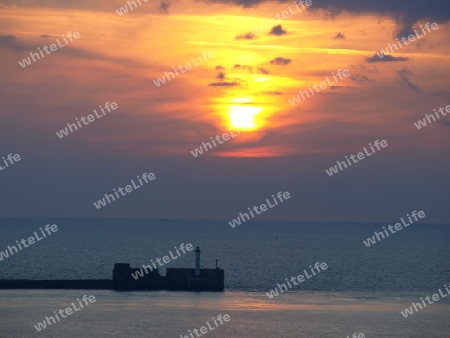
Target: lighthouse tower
[{"x": 197, "y": 261}]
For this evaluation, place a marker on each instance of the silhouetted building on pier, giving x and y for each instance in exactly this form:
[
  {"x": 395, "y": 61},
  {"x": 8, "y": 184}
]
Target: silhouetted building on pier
[{"x": 128, "y": 278}]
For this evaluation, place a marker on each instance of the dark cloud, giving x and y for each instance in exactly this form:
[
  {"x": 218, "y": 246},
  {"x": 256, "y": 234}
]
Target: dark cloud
[
  {"x": 373, "y": 70},
  {"x": 224, "y": 80},
  {"x": 246, "y": 36},
  {"x": 404, "y": 72},
  {"x": 405, "y": 12},
  {"x": 280, "y": 61},
  {"x": 445, "y": 122},
  {"x": 440, "y": 93},
  {"x": 262, "y": 70},
  {"x": 164, "y": 6},
  {"x": 44, "y": 36},
  {"x": 220, "y": 76},
  {"x": 339, "y": 36},
  {"x": 11, "y": 42},
  {"x": 410, "y": 85},
  {"x": 244, "y": 67},
  {"x": 8, "y": 39},
  {"x": 224, "y": 84},
  {"x": 386, "y": 58},
  {"x": 271, "y": 93},
  {"x": 361, "y": 78},
  {"x": 277, "y": 30},
  {"x": 403, "y": 77}
]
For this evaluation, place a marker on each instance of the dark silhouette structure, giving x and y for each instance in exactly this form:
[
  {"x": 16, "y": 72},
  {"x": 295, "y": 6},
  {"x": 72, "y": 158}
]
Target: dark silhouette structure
[{"x": 127, "y": 278}]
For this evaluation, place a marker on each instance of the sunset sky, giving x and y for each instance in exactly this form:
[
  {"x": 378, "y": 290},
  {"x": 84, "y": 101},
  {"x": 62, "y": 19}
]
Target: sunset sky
[{"x": 246, "y": 86}]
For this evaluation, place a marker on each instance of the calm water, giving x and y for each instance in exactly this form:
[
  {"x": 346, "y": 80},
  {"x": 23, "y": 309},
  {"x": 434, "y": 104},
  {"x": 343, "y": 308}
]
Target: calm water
[{"x": 363, "y": 289}]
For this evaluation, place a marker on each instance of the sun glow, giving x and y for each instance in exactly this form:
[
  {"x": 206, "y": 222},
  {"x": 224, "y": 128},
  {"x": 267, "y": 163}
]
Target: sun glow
[
  {"x": 244, "y": 117},
  {"x": 241, "y": 100}
]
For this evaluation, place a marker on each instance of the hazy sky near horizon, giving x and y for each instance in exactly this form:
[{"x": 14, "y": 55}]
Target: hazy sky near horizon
[{"x": 246, "y": 86}]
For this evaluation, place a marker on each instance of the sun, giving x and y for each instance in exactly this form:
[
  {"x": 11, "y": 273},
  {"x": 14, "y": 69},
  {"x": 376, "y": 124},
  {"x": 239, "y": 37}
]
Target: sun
[{"x": 243, "y": 117}]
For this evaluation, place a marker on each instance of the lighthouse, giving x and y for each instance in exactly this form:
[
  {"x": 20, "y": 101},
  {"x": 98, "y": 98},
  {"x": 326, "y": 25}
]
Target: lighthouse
[{"x": 197, "y": 261}]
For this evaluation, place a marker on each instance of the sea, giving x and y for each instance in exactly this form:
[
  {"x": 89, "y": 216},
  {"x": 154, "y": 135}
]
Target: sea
[{"x": 362, "y": 293}]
